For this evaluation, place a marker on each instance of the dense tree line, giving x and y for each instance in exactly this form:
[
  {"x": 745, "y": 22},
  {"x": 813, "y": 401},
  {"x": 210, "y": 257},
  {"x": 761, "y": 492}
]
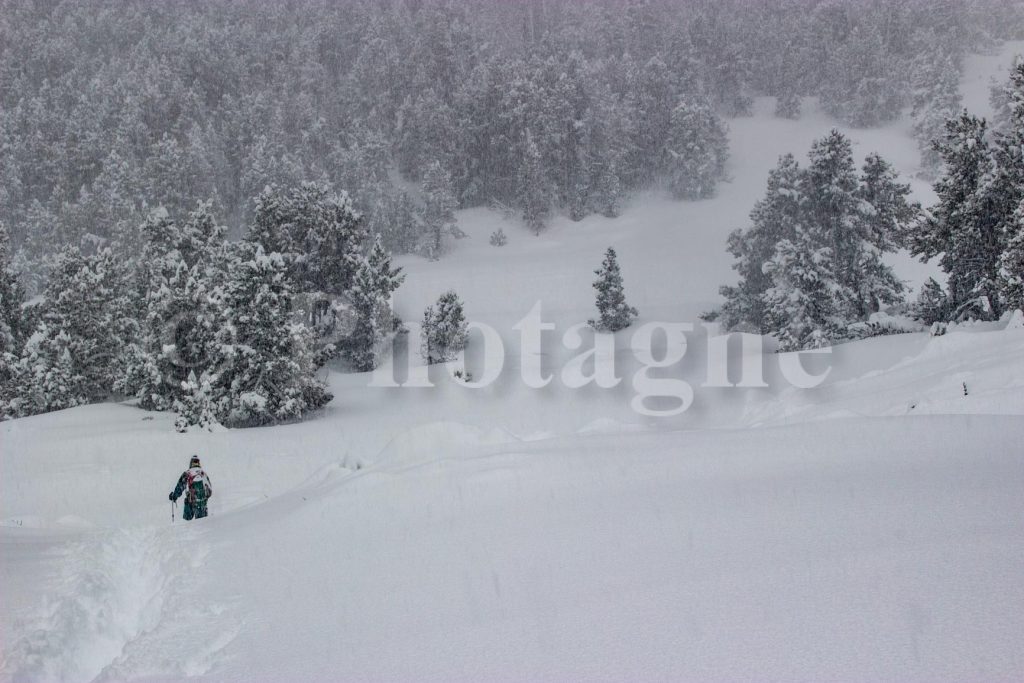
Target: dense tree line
[
  {"x": 110, "y": 108},
  {"x": 810, "y": 262},
  {"x": 220, "y": 331}
]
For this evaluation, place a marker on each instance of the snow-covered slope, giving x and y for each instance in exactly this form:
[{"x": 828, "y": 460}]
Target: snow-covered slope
[
  {"x": 885, "y": 545},
  {"x": 867, "y": 529}
]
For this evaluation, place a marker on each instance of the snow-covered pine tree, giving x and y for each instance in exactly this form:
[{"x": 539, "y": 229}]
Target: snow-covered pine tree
[
  {"x": 964, "y": 226},
  {"x": 885, "y": 210},
  {"x": 315, "y": 230},
  {"x": 196, "y": 406},
  {"x": 13, "y": 325},
  {"x": 800, "y": 305},
  {"x": 697, "y": 149},
  {"x": 856, "y": 232},
  {"x": 614, "y": 313},
  {"x": 265, "y": 369},
  {"x": 932, "y": 305},
  {"x": 181, "y": 277},
  {"x": 936, "y": 100},
  {"x": 774, "y": 218},
  {"x": 438, "y": 208},
  {"x": 445, "y": 330},
  {"x": 375, "y": 282},
  {"x": 1011, "y": 264},
  {"x": 1006, "y": 192},
  {"x": 534, "y": 193},
  {"x": 73, "y": 356}
]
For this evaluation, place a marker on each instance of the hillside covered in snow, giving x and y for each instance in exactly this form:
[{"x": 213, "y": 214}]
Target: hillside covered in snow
[{"x": 867, "y": 526}]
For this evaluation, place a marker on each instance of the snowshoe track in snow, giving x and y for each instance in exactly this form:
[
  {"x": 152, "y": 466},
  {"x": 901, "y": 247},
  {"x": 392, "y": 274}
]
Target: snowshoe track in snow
[{"x": 117, "y": 591}]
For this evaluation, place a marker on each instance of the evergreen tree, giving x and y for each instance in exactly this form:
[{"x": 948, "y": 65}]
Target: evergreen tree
[
  {"x": 614, "y": 313},
  {"x": 180, "y": 279},
  {"x": 1005, "y": 190},
  {"x": 445, "y": 330},
  {"x": 1011, "y": 264},
  {"x": 13, "y": 325},
  {"x": 773, "y": 219},
  {"x": 266, "y": 363},
  {"x": 856, "y": 231},
  {"x": 964, "y": 226},
  {"x": 932, "y": 305},
  {"x": 375, "y": 283},
  {"x": 886, "y": 212},
  {"x": 534, "y": 189},
  {"x": 73, "y": 356},
  {"x": 608, "y": 194},
  {"x": 196, "y": 406},
  {"x": 697, "y": 149},
  {"x": 936, "y": 100},
  {"x": 800, "y": 305},
  {"x": 315, "y": 230},
  {"x": 438, "y": 208}
]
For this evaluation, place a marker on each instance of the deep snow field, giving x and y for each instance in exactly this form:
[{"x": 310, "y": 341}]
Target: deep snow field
[{"x": 871, "y": 528}]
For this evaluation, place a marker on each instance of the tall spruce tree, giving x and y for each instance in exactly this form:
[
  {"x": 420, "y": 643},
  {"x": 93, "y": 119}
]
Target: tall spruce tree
[
  {"x": 773, "y": 219},
  {"x": 614, "y": 313},
  {"x": 964, "y": 226},
  {"x": 375, "y": 283}
]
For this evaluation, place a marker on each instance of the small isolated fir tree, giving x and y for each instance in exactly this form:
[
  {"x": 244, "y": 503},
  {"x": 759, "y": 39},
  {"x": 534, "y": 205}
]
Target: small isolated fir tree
[
  {"x": 445, "y": 330},
  {"x": 614, "y": 313}
]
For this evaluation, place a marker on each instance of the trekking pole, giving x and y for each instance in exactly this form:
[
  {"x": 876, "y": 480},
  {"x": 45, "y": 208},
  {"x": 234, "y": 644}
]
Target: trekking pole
[{"x": 174, "y": 504}]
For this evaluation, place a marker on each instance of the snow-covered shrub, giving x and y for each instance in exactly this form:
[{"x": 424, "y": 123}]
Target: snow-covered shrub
[
  {"x": 498, "y": 238},
  {"x": 882, "y": 324}
]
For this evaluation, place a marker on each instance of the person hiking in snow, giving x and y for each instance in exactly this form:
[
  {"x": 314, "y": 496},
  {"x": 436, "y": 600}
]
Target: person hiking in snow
[{"x": 195, "y": 483}]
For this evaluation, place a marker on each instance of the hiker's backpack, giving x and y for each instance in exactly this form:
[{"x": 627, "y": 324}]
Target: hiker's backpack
[{"x": 198, "y": 491}]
